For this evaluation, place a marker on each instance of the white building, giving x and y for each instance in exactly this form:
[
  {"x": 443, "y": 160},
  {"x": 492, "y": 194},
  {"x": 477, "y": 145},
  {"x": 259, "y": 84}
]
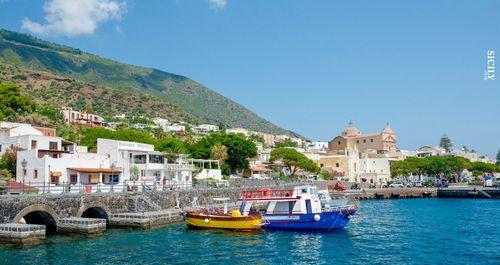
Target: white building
[
  {"x": 205, "y": 128},
  {"x": 162, "y": 123},
  {"x": 374, "y": 170},
  {"x": 140, "y": 162},
  {"x": 58, "y": 171},
  {"x": 430, "y": 151},
  {"x": 175, "y": 128},
  {"x": 21, "y": 136},
  {"x": 317, "y": 146},
  {"x": 238, "y": 130}
]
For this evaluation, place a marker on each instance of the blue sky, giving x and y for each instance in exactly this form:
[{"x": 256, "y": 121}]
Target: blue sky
[{"x": 308, "y": 66}]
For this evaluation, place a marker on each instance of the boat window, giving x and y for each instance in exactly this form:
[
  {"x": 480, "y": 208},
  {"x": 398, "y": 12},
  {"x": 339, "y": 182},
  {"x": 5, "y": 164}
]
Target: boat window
[
  {"x": 304, "y": 191},
  {"x": 283, "y": 207}
]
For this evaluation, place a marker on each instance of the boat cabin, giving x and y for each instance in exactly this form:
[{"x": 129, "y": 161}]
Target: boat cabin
[{"x": 300, "y": 200}]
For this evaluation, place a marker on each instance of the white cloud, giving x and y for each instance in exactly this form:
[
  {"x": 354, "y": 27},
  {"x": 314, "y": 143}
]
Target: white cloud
[
  {"x": 75, "y": 17},
  {"x": 217, "y": 4}
]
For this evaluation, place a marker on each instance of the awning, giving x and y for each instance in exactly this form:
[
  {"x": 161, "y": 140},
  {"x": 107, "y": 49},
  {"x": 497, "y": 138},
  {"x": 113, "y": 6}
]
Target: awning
[
  {"x": 55, "y": 173},
  {"x": 260, "y": 169},
  {"x": 94, "y": 170}
]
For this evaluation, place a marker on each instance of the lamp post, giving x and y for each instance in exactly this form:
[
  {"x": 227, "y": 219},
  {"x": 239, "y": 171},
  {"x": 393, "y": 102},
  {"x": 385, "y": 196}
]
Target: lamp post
[
  {"x": 24, "y": 164},
  {"x": 112, "y": 176},
  {"x": 50, "y": 180}
]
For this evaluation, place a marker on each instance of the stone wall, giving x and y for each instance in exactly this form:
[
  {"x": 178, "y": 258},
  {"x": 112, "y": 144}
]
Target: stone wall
[{"x": 14, "y": 207}]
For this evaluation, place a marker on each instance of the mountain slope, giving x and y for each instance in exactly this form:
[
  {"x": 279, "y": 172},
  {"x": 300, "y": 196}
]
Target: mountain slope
[{"x": 24, "y": 51}]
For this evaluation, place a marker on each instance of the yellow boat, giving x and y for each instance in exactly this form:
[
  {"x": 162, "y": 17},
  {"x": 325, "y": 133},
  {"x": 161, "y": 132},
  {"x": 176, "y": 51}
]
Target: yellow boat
[{"x": 233, "y": 221}]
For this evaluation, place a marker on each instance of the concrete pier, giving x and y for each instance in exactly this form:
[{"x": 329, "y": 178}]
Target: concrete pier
[
  {"x": 388, "y": 193},
  {"x": 145, "y": 220},
  {"x": 468, "y": 192},
  {"x": 21, "y": 234},
  {"x": 81, "y": 226}
]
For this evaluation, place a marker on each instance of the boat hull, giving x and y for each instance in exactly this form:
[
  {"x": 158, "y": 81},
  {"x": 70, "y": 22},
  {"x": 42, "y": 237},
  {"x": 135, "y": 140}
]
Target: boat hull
[
  {"x": 327, "y": 221},
  {"x": 243, "y": 223}
]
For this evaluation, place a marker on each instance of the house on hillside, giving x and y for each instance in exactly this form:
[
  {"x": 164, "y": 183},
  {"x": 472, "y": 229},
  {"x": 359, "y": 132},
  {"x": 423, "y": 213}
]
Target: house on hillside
[{"x": 81, "y": 118}]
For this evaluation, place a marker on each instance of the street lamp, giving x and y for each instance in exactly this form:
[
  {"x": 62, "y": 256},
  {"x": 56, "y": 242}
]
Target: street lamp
[
  {"x": 24, "y": 164},
  {"x": 112, "y": 176}
]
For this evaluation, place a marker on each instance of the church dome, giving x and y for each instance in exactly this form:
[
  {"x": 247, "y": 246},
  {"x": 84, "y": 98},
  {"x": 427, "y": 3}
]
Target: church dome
[{"x": 351, "y": 131}]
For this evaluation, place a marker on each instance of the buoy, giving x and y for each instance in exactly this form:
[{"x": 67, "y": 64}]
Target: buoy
[
  {"x": 317, "y": 217},
  {"x": 206, "y": 220}
]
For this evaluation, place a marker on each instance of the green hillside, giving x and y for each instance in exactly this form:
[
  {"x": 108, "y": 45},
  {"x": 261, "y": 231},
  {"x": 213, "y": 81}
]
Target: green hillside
[{"x": 27, "y": 52}]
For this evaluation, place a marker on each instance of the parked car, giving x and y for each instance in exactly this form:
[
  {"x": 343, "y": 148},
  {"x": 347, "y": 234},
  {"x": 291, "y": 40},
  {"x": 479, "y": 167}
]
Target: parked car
[{"x": 396, "y": 185}]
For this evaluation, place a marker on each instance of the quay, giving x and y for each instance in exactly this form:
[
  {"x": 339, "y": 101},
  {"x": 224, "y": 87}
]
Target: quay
[
  {"x": 22, "y": 234},
  {"x": 469, "y": 192},
  {"x": 145, "y": 220},
  {"x": 81, "y": 226},
  {"x": 387, "y": 193}
]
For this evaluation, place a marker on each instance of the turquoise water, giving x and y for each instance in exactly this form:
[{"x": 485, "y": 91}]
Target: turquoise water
[{"x": 416, "y": 231}]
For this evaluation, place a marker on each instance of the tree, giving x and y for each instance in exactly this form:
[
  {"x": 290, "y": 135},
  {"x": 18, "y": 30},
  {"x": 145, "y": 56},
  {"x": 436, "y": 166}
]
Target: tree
[
  {"x": 12, "y": 102},
  {"x": 445, "y": 142},
  {"x": 239, "y": 149},
  {"x": 293, "y": 160},
  {"x": 286, "y": 143},
  {"x": 219, "y": 152},
  {"x": 449, "y": 167},
  {"x": 480, "y": 168},
  {"x": 134, "y": 173},
  {"x": 171, "y": 145},
  {"x": 8, "y": 161}
]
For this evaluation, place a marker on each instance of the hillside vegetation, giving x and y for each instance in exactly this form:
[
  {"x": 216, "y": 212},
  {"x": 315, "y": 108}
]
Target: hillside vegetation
[{"x": 70, "y": 75}]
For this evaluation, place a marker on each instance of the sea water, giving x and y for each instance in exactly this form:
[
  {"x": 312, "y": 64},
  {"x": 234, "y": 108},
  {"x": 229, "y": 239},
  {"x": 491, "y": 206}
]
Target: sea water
[{"x": 412, "y": 231}]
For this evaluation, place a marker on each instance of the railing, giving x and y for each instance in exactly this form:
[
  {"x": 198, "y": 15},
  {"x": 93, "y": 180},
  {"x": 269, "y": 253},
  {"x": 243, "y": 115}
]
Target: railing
[
  {"x": 266, "y": 194},
  {"x": 26, "y": 188}
]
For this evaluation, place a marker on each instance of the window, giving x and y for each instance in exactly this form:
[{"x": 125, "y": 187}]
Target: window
[
  {"x": 33, "y": 144},
  {"x": 0, "y": 148},
  {"x": 371, "y": 140},
  {"x": 357, "y": 141},
  {"x": 143, "y": 173},
  {"x": 140, "y": 159},
  {"x": 53, "y": 145},
  {"x": 337, "y": 165},
  {"x": 364, "y": 141},
  {"x": 156, "y": 159},
  {"x": 339, "y": 142},
  {"x": 35, "y": 173},
  {"x": 73, "y": 178},
  {"x": 54, "y": 179}
]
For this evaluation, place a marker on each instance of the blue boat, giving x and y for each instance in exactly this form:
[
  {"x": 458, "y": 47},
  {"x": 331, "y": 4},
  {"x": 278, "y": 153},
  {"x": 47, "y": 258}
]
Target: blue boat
[{"x": 297, "y": 209}]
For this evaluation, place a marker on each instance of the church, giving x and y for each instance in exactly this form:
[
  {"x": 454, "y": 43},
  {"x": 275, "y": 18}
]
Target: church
[{"x": 383, "y": 143}]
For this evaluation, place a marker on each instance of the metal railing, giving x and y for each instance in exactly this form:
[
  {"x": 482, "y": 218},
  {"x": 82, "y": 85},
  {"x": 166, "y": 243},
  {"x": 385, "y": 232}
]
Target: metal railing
[
  {"x": 26, "y": 188},
  {"x": 33, "y": 188}
]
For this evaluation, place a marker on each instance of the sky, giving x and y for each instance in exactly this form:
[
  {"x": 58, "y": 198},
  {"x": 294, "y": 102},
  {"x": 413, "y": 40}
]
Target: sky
[{"x": 307, "y": 66}]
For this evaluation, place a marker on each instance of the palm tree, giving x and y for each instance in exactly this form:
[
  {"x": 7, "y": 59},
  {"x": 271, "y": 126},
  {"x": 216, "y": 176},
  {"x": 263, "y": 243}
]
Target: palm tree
[{"x": 219, "y": 152}]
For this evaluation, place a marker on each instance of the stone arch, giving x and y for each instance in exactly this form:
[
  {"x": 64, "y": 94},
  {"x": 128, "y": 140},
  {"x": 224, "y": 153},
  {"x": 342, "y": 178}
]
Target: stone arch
[
  {"x": 39, "y": 214},
  {"x": 94, "y": 211}
]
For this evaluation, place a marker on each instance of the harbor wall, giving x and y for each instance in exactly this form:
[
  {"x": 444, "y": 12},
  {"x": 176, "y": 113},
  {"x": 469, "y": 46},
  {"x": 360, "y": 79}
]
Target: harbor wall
[{"x": 102, "y": 205}]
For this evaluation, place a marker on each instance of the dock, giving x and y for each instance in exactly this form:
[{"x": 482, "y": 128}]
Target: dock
[
  {"x": 22, "y": 234},
  {"x": 145, "y": 220},
  {"x": 387, "y": 193},
  {"x": 469, "y": 192}
]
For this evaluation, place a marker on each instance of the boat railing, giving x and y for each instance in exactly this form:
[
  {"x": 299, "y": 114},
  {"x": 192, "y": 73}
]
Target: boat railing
[{"x": 266, "y": 194}]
